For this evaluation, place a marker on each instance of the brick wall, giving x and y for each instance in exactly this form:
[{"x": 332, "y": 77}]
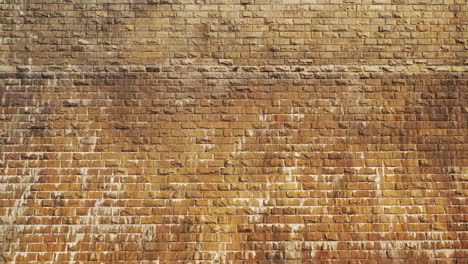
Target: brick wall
[{"x": 243, "y": 131}]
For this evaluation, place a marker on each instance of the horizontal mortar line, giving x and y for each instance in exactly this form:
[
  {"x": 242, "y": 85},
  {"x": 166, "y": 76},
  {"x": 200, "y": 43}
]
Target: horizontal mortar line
[
  {"x": 162, "y": 250},
  {"x": 249, "y": 206},
  {"x": 241, "y": 207},
  {"x": 171, "y": 201},
  {"x": 253, "y": 224}
]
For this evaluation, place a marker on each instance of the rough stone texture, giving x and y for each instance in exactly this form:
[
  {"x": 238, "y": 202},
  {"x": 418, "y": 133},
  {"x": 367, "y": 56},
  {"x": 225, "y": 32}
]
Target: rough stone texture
[{"x": 243, "y": 131}]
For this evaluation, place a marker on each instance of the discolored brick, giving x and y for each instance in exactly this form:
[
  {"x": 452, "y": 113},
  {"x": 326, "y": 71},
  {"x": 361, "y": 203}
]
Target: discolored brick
[{"x": 248, "y": 131}]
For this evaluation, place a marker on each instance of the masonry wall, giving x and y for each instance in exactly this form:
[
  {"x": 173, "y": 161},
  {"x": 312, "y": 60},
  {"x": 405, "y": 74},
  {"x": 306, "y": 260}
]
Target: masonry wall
[{"x": 246, "y": 131}]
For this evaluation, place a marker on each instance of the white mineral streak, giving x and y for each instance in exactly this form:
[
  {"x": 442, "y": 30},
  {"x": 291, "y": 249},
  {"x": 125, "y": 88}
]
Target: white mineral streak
[{"x": 28, "y": 180}]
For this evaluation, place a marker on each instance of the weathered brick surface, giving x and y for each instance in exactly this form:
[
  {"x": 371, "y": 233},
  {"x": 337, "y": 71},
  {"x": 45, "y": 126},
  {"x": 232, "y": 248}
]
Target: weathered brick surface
[{"x": 246, "y": 131}]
